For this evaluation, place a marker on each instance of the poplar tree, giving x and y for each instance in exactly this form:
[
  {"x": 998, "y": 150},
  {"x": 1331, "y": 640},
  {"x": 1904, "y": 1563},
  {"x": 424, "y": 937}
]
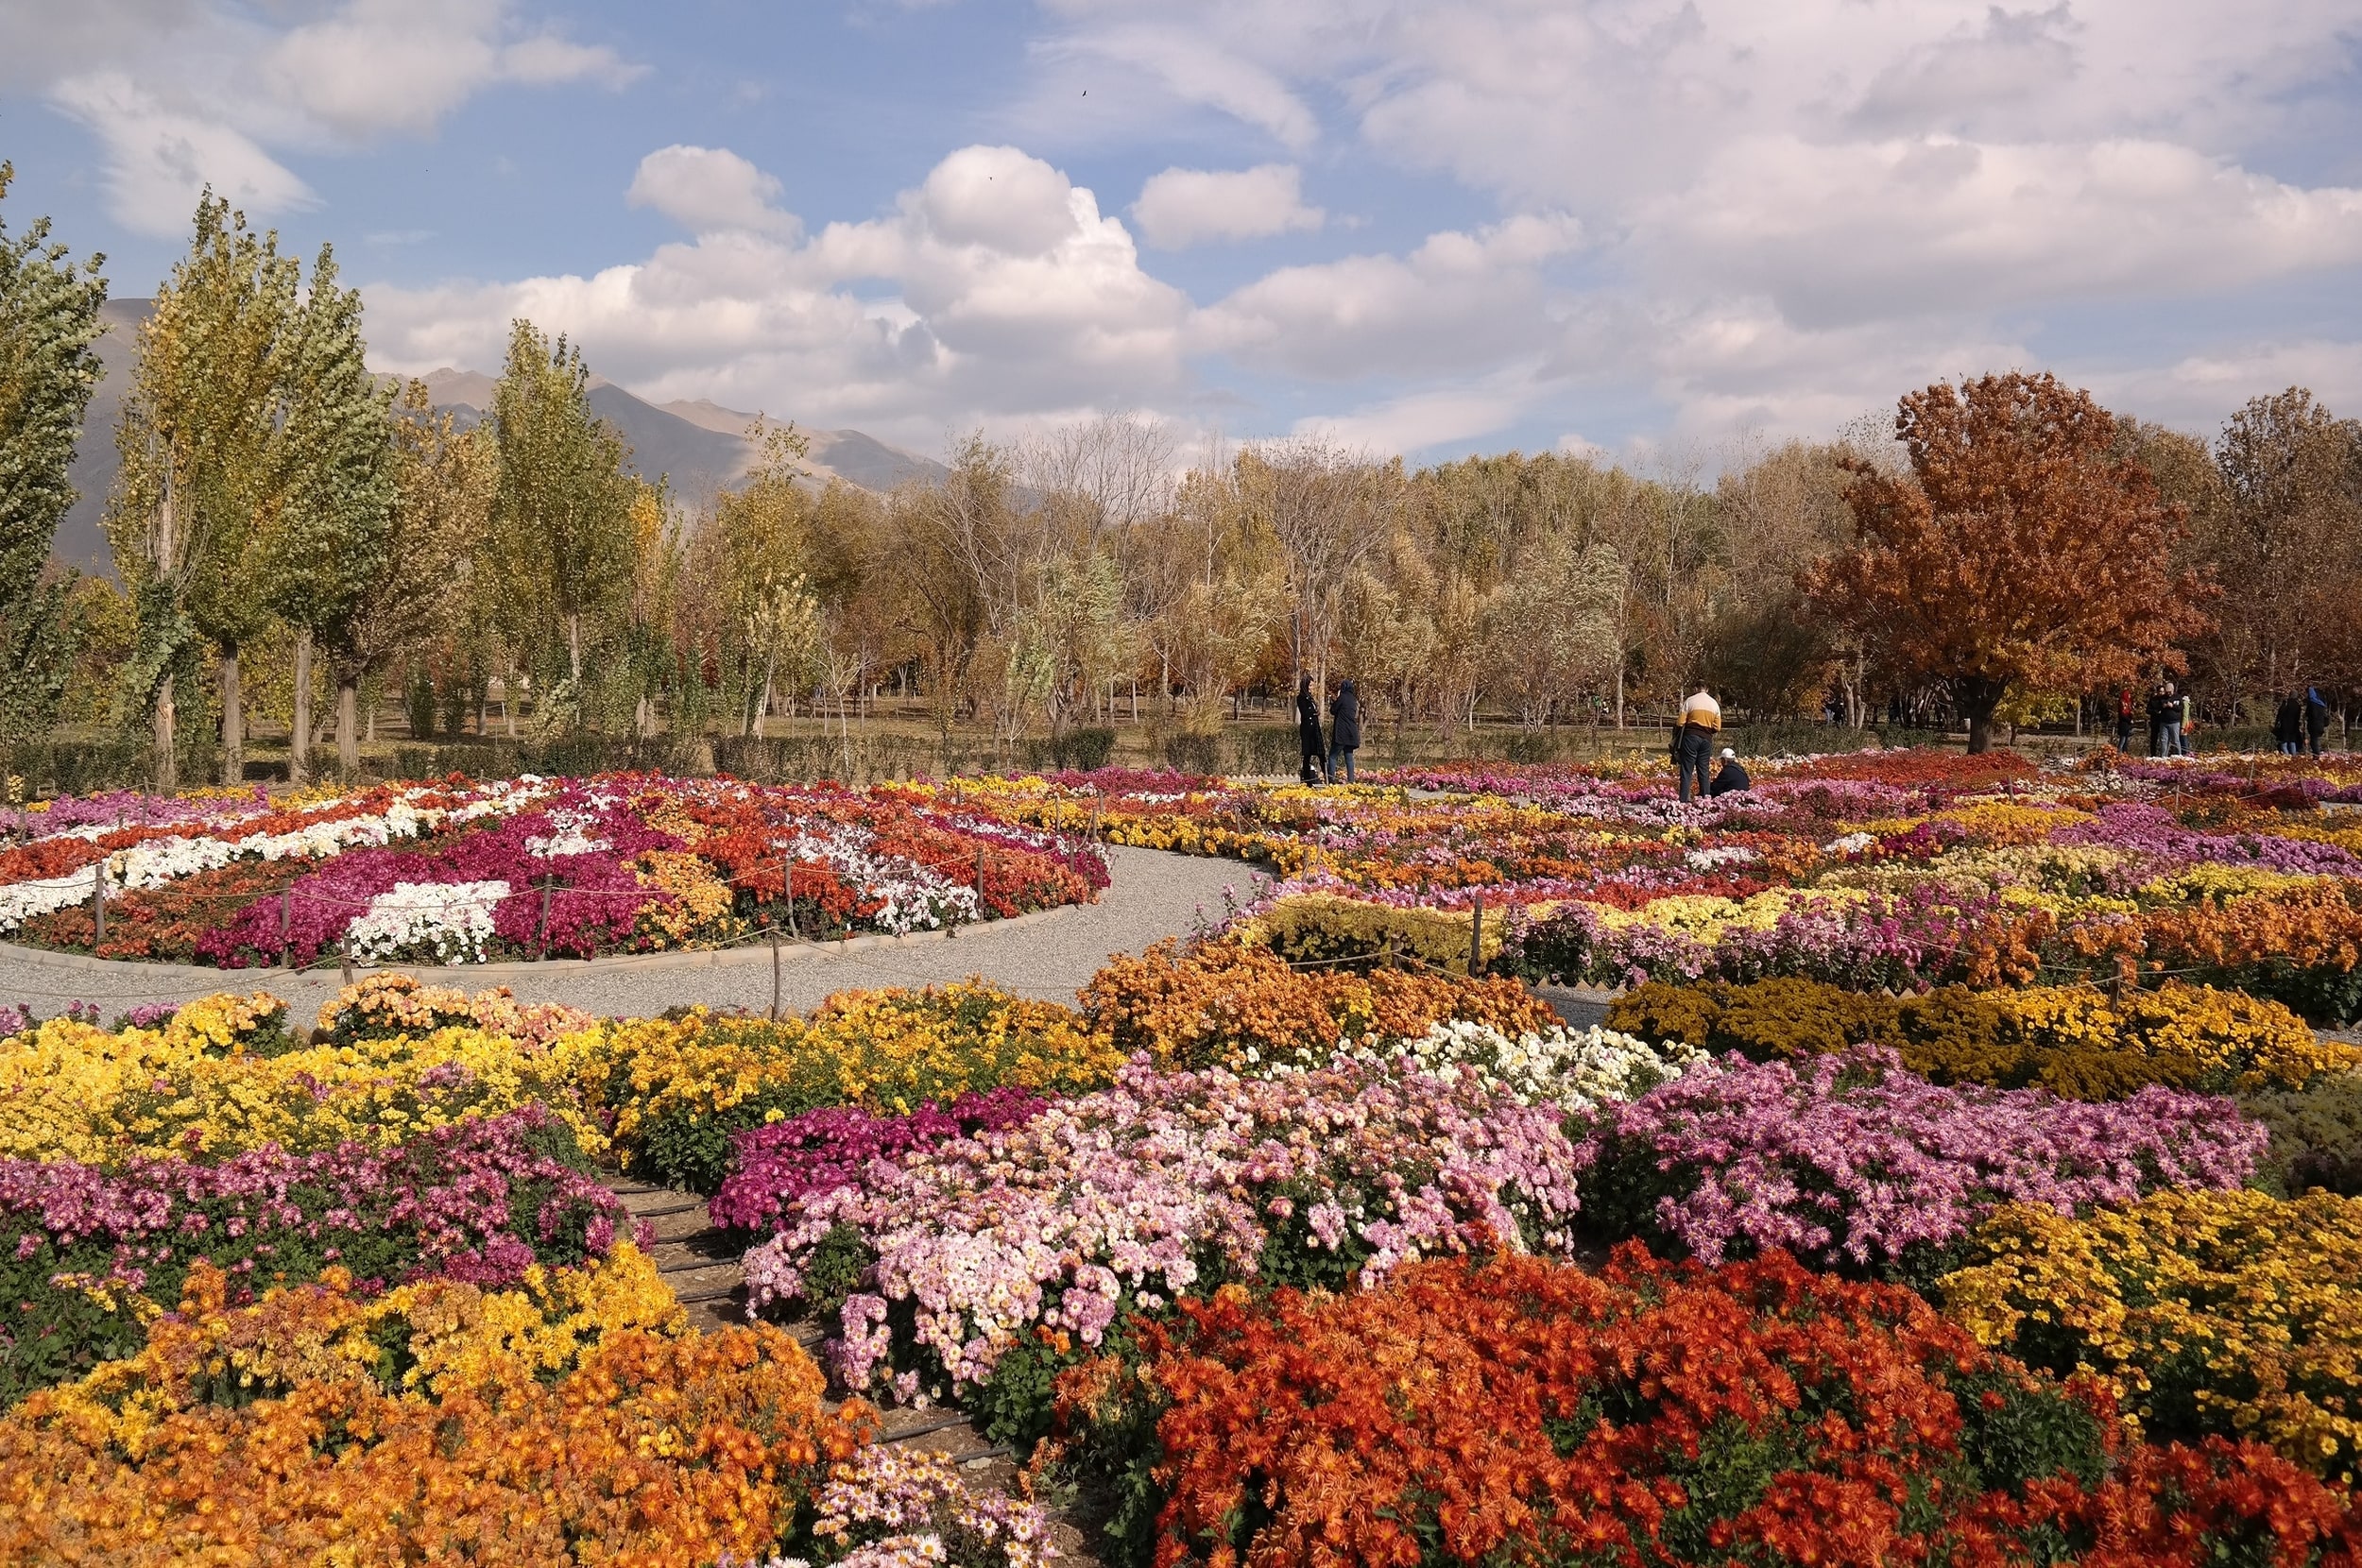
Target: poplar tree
[
  {"x": 326, "y": 543},
  {"x": 562, "y": 517},
  {"x": 196, "y": 437},
  {"x": 442, "y": 482},
  {"x": 48, "y": 323}
]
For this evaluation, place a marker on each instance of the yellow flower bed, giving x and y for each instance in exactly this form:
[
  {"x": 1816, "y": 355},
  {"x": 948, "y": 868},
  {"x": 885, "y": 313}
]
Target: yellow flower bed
[
  {"x": 1705, "y": 917},
  {"x": 72, "y": 1091},
  {"x": 1315, "y": 927},
  {"x": 672, "y": 1090},
  {"x": 2229, "y": 1313},
  {"x": 2212, "y": 884},
  {"x": 435, "y": 1337}
]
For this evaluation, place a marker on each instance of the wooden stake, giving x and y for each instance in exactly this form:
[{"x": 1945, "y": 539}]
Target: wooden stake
[
  {"x": 98, "y": 900},
  {"x": 286, "y": 910},
  {"x": 1476, "y": 937}
]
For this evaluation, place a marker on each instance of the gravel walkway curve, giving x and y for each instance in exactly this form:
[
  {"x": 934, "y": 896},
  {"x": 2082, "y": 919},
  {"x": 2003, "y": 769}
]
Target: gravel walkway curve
[{"x": 1048, "y": 955}]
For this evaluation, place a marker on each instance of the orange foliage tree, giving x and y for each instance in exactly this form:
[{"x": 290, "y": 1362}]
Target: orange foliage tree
[{"x": 2017, "y": 553}]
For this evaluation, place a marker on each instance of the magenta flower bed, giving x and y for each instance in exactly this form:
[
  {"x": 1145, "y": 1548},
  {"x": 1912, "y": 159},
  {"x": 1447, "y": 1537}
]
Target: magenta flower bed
[
  {"x": 2152, "y": 831},
  {"x": 479, "y": 1200},
  {"x": 595, "y": 900},
  {"x": 1851, "y": 1163},
  {"x": 780, "y": 1165}
]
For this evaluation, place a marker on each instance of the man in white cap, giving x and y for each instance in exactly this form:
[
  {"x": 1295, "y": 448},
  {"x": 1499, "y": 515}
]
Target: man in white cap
[
  {"x": 1693, "y": 742},
  {"x": 1730, "y": 777}
]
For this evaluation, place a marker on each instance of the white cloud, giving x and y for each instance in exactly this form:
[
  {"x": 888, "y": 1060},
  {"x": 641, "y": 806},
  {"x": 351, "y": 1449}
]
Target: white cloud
[
  {"x": 1852, "y": 231},
  {"x": 402, "y": 65},
  {"x": 709, "y": 190},
  {"x": 1438, "y": 417},
  {"x": 1011, "y": 296},
  {"x": 182, "y": 92},
  {"x": 1458, "y": 302},
  {"x": 159, "y": 159},
  {"x": 1185, "y": 207},
  {"x": 1187, "y": 62},
  {"x": 1794, "y": 211}
]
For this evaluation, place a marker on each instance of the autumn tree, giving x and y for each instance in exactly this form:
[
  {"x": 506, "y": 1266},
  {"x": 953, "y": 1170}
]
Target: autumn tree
[
  {"x": 323, "y": 547},
  {"x": 2018, "y": 554},
  {"x": 562, "y": 517},
  {"x": 442, "y": 481},
  {"x": 2287, "y": 528},
  {"x": 196, "y": 438},
  {"x": 48, "y": 324}
]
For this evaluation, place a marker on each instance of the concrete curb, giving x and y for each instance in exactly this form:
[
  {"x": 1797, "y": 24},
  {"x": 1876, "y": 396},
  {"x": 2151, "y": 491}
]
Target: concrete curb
[{"x": 121, "y": 968}]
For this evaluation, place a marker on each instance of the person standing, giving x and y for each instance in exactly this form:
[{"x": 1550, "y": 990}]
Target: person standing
[
  {"x": 2186, "y": 727},
  {"x": 1693, "y": 742},
  {"x": 2124, "y": 719},
  {"x": 2316, "y": 717},
  {"x": 2169, "y": 720},
  {"x": 1344, "y": 730},
  {"x": 1308, "y": 733},
  {"x": 2288, "y": 726}
]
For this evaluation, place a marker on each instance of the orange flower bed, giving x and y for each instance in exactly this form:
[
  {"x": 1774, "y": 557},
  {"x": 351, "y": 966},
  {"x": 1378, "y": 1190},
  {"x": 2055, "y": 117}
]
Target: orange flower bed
[
  {"x": 654, "y": 1451},
  {"x": 1523, "y": 1411},
  {"x": 1212, "y": 1004}
]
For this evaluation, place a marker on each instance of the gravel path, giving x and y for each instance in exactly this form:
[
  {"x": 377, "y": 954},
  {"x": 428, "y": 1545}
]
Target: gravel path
[{"x": 1049, "y": 955}]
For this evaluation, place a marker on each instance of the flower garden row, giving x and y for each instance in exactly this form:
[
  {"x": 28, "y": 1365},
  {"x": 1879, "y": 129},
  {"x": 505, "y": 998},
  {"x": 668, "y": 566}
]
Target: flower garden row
[
  {"x": 526, "y": 868},
  {"x": 1295, "y": 1265},
  {"x": 1894, "y": 870}
]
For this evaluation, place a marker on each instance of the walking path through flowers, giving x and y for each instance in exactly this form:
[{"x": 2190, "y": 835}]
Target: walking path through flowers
[{"x": 1051, "y": 956}]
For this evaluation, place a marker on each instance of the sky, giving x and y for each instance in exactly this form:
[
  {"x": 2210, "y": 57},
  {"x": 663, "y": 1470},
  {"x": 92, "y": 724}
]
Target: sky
[{"x": 1659, "y": 229}]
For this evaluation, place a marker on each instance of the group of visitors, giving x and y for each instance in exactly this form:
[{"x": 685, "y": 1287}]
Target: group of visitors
[
  {"x": 1320, "y": 760},
  {"x": 1699, "y": 726},
  {"x": 2300, "y": 721}
]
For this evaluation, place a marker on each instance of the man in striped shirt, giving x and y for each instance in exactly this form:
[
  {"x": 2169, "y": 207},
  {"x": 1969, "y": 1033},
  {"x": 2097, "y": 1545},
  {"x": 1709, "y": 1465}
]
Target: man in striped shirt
[{"x": 1693, "y": 742}]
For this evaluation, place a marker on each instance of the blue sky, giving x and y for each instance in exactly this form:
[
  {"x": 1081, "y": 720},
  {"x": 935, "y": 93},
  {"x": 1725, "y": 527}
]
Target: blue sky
[{"x": 1656, "y": 227}]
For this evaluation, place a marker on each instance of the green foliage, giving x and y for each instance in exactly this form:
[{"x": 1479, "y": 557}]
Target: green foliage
[
  {"x": 2317, "y": 1138},
  {"x": 561, "y": 515},
  {"x": 48, "y": 368},
  {"x": 326, "y": 540}
]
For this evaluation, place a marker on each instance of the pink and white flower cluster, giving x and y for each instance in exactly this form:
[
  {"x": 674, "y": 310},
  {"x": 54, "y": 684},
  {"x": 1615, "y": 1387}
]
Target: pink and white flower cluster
[{"x": 1115, "y": 1200}]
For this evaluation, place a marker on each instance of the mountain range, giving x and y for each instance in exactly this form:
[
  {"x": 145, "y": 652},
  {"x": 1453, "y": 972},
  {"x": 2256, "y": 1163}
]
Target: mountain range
[{"x": 699, "y": 447}]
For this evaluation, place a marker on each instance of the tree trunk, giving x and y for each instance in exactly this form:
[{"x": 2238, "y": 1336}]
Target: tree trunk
[
  {"x": 232, "y": 721},
  {"x": 573, "y": 646},
  {"x": 167, "y": 765},
  {"x": 299, "y": 733},
  {"x": 508, "y": 703},
  {"x": 348, "y": 725}
]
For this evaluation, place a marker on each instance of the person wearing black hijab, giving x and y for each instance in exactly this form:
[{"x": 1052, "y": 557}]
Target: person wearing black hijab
[{"x": 1315, "y": 757}]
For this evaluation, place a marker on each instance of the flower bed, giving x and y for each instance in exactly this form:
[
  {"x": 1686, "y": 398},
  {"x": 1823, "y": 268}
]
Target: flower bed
[
  {"x": 2074, "y": 1042},
  {"x": 654, "y": 1449},
  {"x": 1225, "y": 1004},
  {"x": 82, "y": 1247},
  {"x": 69, "y": 1090},
  {"x": 671, "y": 1092},
  {"x": 1524, "y": 1411},
  {"x": 1118, "y": 1201},
  {"x": 1855, "y": 1165},
  {"x": 462, "y": 873},
  {"x": 1896, "y": 869},
  {"x": 2226, "y": 1314}
]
